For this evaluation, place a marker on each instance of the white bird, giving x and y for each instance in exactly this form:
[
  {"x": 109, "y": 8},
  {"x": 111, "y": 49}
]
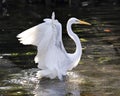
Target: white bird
[{"x": 52, "y": 58}]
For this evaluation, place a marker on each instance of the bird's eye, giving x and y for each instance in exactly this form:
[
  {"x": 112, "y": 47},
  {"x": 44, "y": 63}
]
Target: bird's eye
[{"x": 77, "y": 21}]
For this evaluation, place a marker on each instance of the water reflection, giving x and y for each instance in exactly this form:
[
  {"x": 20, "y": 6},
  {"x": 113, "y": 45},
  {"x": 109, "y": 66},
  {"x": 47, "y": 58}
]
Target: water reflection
[
  {"x": 87, "y": 80},
  {"x": 27, "y": 81},
  {"x": 52, "y": 88}
]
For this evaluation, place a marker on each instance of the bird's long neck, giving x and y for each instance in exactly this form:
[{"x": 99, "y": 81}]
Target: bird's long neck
[{"x": 77, "y": 54}]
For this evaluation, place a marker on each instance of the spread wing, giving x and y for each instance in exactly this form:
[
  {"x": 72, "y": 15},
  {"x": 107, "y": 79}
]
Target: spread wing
[
  {"x": 36, "y": 34},
  {"x": 42, "y": 34}
]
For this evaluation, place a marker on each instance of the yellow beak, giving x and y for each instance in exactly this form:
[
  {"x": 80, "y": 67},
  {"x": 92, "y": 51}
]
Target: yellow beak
[{"x": 83, "y": 22}]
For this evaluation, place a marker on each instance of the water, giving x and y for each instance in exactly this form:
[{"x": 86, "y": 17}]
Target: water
[{"x": 97, "y": 73}]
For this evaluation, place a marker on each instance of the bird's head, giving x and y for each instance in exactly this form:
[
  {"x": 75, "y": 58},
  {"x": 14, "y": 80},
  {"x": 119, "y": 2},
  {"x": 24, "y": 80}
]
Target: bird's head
[{"x": 77, "y": 21}]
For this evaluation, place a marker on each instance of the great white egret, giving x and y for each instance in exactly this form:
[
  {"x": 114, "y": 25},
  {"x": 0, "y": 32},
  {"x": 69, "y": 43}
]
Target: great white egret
[{"x": 52, "y": 58}]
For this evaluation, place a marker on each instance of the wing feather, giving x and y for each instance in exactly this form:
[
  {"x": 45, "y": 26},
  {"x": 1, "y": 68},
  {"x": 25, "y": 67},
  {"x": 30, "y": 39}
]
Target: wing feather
[{"x": 34, "y": 35}]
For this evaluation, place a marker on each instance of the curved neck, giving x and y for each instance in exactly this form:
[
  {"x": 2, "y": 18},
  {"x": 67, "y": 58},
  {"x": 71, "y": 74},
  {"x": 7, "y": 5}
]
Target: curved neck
[{"x": 78, "y": 51}]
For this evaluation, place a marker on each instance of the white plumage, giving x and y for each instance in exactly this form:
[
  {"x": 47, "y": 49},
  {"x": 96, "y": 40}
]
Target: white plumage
[{"x": 52, "y": 58}]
